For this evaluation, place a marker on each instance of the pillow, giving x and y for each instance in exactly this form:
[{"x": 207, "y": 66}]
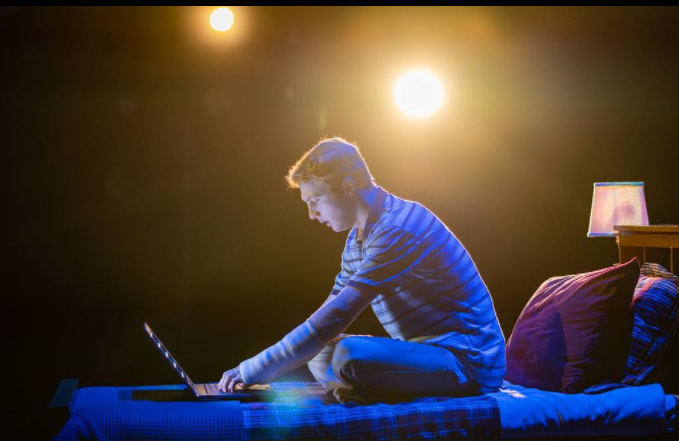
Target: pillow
[
  {"x": 575, "y": 331},
  {"x": 653, "y": 353},
  {"x": 654, "y": 308}
]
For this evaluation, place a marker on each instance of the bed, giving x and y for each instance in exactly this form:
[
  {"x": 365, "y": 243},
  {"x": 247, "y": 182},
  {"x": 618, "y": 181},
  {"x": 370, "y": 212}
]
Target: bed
[
  {"x": 166, "y": 412},
  {"x": 632, "y": 405}
]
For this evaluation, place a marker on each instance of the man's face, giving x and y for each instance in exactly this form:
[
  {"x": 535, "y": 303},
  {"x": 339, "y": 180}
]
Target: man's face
[{"x": 336, "y": 211}]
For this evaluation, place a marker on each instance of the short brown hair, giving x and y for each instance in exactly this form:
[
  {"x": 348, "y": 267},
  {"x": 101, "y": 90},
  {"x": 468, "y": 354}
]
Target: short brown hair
[{"x": 330, "y": 161}]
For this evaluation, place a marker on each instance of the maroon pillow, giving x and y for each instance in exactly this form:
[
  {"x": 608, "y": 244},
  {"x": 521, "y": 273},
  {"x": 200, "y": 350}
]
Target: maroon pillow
[{"x": 575, "y": 331}]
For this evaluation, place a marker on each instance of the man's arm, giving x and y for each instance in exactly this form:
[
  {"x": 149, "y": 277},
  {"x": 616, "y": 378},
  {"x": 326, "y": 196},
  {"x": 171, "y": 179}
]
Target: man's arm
[
  {"x": 338, "y": 313},
  {"x": 308, "y": 339},
  {"x": 330, "y": 297}
]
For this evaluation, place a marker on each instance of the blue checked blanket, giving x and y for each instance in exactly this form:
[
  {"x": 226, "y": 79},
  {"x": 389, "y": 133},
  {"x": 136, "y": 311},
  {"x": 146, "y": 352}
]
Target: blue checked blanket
[{"x": 300, "y": 411}]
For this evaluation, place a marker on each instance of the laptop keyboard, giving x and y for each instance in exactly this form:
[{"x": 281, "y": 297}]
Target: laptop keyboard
[{"x": 213, "y": 389}]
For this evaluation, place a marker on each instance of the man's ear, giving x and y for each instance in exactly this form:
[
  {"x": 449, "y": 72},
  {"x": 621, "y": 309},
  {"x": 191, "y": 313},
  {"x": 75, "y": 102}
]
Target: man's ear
[{"x": 349, "y": 186}]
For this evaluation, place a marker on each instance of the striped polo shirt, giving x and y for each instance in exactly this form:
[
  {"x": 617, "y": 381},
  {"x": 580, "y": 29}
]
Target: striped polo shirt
[{"x": 429, "y": 289}]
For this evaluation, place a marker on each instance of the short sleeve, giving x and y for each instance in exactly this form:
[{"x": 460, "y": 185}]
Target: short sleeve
[
  {"x": 390, "y": 256},
  {"x": 341, "y": 280}
]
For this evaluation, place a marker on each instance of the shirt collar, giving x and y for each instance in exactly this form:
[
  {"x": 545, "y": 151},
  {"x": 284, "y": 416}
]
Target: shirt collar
[{"x": 375, "y": 211}]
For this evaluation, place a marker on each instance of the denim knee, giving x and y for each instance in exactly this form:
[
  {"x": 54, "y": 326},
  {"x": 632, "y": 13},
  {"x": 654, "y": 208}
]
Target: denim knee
[{"x": 345, "y": 361}]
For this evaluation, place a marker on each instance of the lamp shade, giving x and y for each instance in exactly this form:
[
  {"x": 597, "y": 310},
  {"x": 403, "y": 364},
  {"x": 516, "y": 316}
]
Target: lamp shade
[{"x": 616, "y": 203}]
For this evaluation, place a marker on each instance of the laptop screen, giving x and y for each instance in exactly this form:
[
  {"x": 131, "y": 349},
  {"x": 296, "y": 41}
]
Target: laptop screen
[{"x": 169, "y": 357}]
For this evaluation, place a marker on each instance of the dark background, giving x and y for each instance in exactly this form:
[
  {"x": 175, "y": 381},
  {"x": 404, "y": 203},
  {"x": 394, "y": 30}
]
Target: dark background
[{"x": 145, "y": 159}]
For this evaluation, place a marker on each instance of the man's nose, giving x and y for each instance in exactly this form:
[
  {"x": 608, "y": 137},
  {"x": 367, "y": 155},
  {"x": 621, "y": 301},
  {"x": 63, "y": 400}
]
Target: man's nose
[{"x": 313, "y": 214}]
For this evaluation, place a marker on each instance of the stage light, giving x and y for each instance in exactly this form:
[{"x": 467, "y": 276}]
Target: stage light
[
  {"x": 418, "y": 93},
  {"x": 221, "y": 19}
]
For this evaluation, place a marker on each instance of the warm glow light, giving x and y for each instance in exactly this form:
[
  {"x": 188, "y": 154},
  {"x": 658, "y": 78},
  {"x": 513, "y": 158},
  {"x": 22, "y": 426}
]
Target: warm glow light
[
  {"x": 418, "y": 93},
  {"x": 221, "y": 19}
]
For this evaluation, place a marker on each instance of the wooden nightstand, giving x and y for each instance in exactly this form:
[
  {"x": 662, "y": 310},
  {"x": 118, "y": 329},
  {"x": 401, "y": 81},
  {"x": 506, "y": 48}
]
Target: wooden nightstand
[{"x": 653, "y": 243}]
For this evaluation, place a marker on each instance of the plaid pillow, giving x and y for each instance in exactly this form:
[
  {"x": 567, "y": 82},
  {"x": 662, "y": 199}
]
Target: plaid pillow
[{"x": 654, "y": 307}]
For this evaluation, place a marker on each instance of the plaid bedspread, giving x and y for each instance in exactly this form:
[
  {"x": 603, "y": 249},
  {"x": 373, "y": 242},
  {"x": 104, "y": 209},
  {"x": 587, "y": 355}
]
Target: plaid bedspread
[{"x": 301, "y": 411}]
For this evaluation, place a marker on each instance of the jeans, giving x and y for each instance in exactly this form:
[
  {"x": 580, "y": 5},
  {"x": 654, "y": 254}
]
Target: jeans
[{"x": 367, "y": 369}]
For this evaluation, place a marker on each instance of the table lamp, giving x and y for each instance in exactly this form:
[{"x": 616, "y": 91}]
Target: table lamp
[{"x": 616, "y": 203}]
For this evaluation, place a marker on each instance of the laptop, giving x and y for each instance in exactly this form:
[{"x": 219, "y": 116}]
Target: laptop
[{"x": 210, "y": 391}]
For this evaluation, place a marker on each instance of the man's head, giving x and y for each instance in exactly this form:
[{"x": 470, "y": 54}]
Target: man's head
[{"x": 329, "y": 177}]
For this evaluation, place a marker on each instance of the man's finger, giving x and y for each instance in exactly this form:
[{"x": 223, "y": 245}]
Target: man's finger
[
  {"x": 233, "y": 383},
  {"x": 222, "y": 382}
]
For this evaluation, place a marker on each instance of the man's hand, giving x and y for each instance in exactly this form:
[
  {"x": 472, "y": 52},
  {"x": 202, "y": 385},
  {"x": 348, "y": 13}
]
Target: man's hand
[{"x": 230, "y": 379}]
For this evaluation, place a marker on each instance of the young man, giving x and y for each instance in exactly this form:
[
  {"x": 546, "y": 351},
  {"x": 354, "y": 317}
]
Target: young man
[{"x": 419, "y": 279}]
